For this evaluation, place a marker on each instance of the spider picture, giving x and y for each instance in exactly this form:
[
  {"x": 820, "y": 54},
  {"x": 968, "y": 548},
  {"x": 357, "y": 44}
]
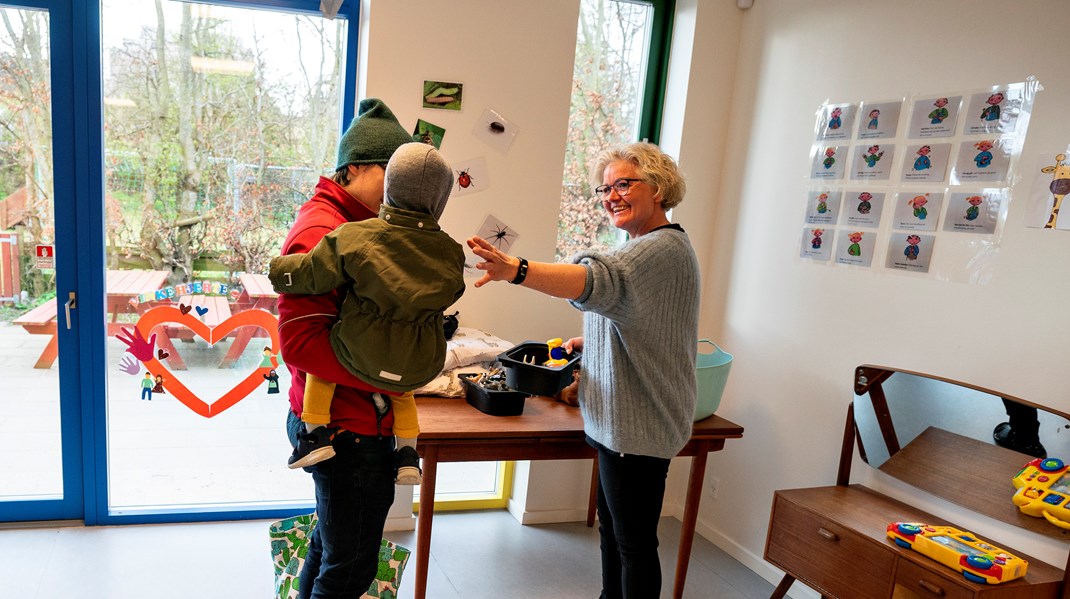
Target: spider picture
[{"x": 500, "y": 236}]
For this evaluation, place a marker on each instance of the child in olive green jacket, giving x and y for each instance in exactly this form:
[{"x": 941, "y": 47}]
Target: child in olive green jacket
[{"x": 402, "y": 272}]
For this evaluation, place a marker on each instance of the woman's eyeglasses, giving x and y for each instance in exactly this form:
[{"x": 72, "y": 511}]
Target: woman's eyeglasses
[{"x": 621, "y": 186}]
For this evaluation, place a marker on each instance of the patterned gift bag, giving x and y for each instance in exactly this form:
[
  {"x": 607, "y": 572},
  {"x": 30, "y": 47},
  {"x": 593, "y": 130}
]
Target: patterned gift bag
[{"x": 289, "y": 546}]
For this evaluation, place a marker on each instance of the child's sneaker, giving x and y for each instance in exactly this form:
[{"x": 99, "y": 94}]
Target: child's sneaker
[
  {"x": 408, "y": 462},
  {"x": 313, "y": 447}
]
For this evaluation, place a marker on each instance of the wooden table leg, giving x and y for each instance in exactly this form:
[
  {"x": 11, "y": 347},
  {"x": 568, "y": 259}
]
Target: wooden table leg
[
  {"x": 687, "y": 527},
  {"x": 237, "y": 346},
  {"x": 423, "y": 520},
  {"x": 782, "y": 588},
  {"x": 49, "y": 353},
  {"x": 241, "y": 338}
]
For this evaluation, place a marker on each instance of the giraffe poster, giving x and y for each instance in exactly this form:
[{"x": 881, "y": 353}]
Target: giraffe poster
[{"x": 1050, "y": 184}]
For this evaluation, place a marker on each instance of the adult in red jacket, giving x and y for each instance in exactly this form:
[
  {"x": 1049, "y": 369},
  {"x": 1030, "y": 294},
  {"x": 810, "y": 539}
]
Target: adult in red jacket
[{"x": 354, "y": 490}]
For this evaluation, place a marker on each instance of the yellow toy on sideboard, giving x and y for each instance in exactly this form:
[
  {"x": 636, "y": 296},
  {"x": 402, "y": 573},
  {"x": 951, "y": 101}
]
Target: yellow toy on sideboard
[
  {"x": 961, "y": 551},
  {"x": 1044, "y": 490}
]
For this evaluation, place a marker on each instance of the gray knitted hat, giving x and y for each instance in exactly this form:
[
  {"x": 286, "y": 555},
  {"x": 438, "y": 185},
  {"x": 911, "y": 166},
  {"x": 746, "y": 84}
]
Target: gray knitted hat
[
  {"x": 372, "y": 137},
  {"x": 418, "y": 178}
]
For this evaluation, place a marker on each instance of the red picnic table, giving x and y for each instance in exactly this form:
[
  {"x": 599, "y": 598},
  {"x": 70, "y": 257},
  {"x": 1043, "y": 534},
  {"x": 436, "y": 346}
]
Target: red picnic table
[
  {"x": 257, "y": 294},
  {"x": 122, "y": 286}
]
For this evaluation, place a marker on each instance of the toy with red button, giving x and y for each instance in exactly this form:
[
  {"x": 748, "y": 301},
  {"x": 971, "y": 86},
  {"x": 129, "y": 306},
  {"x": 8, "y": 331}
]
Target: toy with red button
[
  {"x": 1044, "y": 490},
  {"x": 961, "y": 551}
]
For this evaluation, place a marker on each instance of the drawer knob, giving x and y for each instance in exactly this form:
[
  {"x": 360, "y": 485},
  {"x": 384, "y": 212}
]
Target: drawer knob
[
  {"x": 828, "y": 534},
  {"x": 932, "y": 588}
]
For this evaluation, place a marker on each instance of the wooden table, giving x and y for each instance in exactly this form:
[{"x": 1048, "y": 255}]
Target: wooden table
[
  {"x": 257, "y": 294},
  {"x": 453, "y": 431},
  {"x": 122, "y": 286}
]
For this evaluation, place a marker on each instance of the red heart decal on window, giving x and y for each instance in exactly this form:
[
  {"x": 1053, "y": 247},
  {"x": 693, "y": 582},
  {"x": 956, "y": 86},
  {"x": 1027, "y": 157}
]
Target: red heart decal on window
[
  {"x": 183, "y": 308},
  {"x": 162, "y": 355},
  {"x": 169, "y": 314}
]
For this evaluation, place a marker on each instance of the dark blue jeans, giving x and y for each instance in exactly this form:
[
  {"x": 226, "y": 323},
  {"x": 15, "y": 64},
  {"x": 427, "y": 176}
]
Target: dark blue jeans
[
  {"x": 354, "y": 492},
  {"x": 631, "y": 489}
]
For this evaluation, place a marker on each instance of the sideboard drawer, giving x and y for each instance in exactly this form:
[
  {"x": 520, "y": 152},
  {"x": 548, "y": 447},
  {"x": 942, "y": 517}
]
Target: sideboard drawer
[
  {"x": 927, "y": 584},
  {"x": 827, "y": 555}
]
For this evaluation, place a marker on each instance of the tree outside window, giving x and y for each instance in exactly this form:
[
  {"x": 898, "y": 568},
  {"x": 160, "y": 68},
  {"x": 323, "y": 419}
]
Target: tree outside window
[
  {"x": 218, "y": 123},
  {"x": 26, "y": 143},
  {"x": 608, "y": 83}
]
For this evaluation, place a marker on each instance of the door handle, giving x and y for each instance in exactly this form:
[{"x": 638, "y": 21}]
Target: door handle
[{"x": 69, "y": 305}]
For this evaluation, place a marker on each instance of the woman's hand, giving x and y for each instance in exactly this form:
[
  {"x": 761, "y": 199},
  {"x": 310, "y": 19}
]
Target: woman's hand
[
  {"x": 574, "y": 344},
  {"x": 497, "y": 266}
]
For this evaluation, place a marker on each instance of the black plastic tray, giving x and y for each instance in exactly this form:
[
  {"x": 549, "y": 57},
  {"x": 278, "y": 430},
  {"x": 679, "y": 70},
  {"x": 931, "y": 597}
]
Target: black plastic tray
[
  {"x": 536, "y": 379},
  {"x": 495, "y": 403}
]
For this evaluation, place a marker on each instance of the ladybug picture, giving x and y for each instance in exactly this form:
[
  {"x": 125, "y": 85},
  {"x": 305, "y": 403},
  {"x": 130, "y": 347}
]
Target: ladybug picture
[{"x": 464, "y": 179}]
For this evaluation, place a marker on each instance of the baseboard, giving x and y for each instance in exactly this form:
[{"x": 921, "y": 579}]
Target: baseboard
[
  {"x": 552, "y": 516},
  {"x": 755, "y": 563}
]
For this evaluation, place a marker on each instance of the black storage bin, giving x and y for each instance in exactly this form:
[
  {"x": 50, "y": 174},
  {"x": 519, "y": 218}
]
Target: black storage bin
[
  {"x": 495, "y": 403},
  {"x": 536, "y": 379}
]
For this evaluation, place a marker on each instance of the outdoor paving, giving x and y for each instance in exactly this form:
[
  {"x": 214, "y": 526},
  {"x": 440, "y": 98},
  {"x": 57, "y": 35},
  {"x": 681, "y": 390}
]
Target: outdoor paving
[{"x": 160, "y": 451}]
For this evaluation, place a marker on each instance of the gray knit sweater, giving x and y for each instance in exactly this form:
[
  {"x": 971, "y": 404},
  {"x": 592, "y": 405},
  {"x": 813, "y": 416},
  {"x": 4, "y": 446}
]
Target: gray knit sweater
[{"x": 640, "y": 328}]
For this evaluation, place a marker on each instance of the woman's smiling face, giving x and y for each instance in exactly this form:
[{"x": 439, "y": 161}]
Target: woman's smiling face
[{"x": 638, "y": 211}]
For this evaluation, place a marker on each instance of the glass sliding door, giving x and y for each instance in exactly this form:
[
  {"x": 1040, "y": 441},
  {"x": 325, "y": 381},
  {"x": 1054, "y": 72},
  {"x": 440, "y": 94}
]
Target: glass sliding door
[
  {"x": 41, "y": 467},
  {"x": 218, "y": 123}
]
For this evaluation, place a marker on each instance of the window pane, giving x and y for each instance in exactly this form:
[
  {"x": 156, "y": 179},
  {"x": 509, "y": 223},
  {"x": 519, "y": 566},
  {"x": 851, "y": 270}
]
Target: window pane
[
  {"x": 612, "y": 45},
  {"x": 218, "y": 123},
  {"x": 32, "y": 464},
  {"x": 463, "y": 480}
]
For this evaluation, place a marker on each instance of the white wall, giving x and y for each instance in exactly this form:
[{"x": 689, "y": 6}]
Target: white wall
[
  {"x": 515, "y": 58},
  {"x": 798, "y": 329},
  {"x": 743, "y": 89}
]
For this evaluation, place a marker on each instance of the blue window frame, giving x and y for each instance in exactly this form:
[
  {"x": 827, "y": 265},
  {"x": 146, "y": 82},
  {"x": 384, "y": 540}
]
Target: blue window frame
[{"x": 78, "y": 147}]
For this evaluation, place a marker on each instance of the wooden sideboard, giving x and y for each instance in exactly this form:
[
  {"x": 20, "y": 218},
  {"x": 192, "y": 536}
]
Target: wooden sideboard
[{"x": 833, "y": 539}]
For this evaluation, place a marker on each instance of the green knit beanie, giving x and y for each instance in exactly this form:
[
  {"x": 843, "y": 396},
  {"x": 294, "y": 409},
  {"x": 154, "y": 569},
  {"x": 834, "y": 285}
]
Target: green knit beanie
[{"x": 373, "y": 135}]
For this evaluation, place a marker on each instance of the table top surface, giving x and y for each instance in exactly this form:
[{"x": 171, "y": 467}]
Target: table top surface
[
  {"x": 451, "y": 418},
  {"x": 135, "y": 282},
  {"x": 257, "y": 285}
]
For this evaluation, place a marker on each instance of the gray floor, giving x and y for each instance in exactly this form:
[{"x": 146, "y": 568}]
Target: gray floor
[{"x": 474, "y": 555}]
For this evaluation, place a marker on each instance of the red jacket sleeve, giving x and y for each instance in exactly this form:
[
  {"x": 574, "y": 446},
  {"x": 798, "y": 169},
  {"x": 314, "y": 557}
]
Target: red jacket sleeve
[{"x": 305, "y": 323}]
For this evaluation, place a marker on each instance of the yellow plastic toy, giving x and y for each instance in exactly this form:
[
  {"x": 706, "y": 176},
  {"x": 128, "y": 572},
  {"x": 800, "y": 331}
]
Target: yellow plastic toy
[
  {"x": 961, "y": 551},
  {"x": 558, "y": 357},
  {"x": 1044, "y": 490}
]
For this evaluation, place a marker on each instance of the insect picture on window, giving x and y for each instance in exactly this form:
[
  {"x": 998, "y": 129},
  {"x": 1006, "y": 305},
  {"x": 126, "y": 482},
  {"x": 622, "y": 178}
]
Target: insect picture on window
[
  {"x": 495, "y": 231},
  {"x": 470, "y": 176}
]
